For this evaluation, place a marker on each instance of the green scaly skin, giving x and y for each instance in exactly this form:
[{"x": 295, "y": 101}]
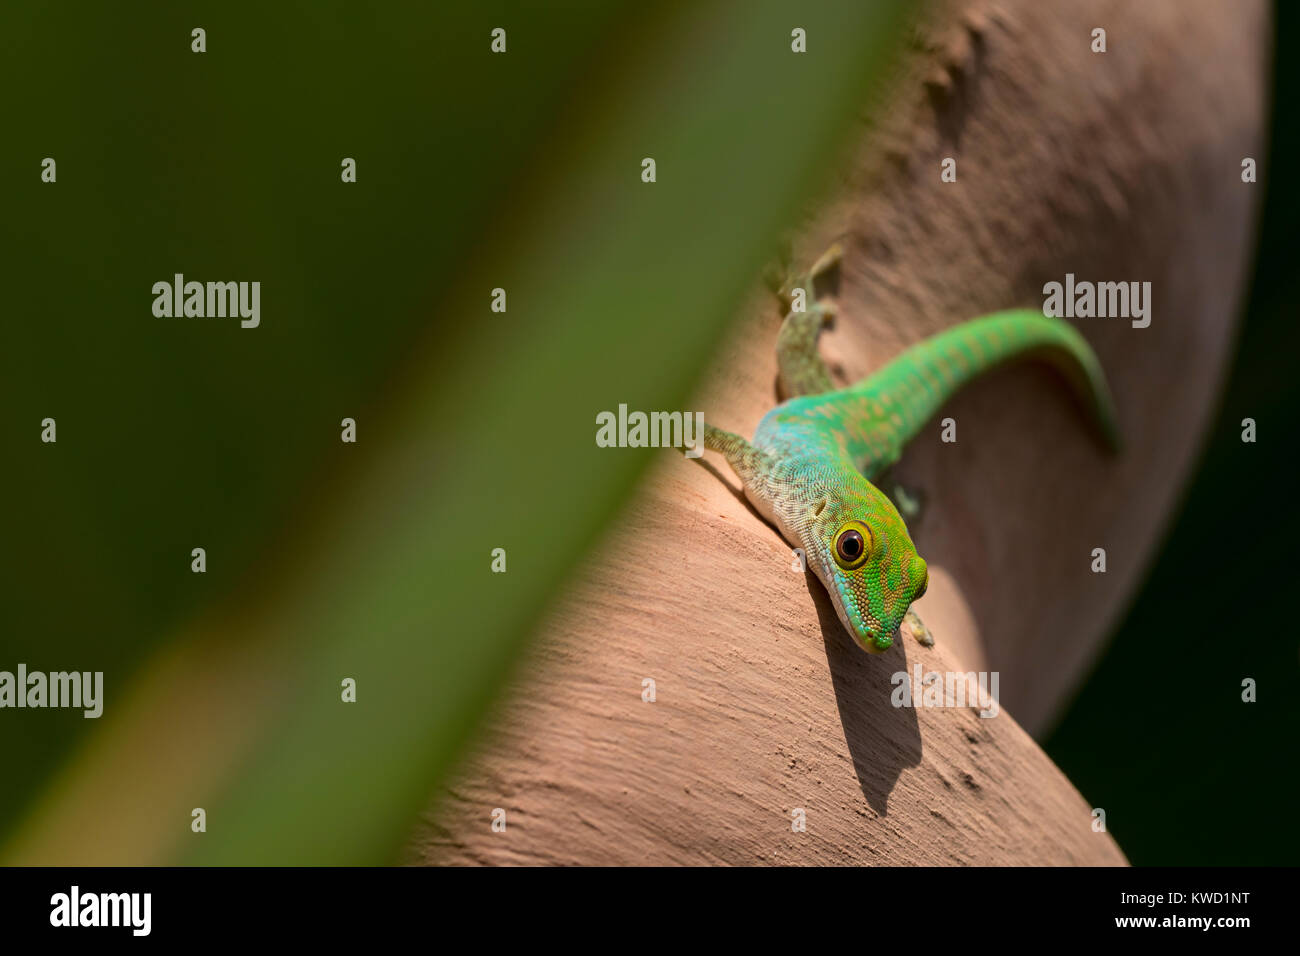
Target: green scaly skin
[{"x": 810, "y": 467}]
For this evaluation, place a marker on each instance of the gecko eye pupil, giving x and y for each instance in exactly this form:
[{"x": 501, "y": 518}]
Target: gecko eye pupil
[{"x": 850, "y": 545}]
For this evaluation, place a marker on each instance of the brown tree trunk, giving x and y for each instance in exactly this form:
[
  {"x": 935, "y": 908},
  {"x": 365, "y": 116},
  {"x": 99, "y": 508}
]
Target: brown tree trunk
[{"x": 1115, "y": 166}]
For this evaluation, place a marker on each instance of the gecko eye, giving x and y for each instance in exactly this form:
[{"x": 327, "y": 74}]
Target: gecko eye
[{"x": 852, "y": 545}]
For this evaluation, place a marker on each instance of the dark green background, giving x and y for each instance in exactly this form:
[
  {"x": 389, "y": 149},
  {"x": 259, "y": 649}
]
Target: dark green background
[
  {"x": 223, "y": 166},
  {"x": 1159, "y": 736},
  {"x": 475, "y": 428}
]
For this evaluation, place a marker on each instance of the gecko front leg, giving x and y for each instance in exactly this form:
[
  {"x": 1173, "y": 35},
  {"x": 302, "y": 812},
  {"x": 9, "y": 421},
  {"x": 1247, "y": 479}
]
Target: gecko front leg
[{"x": 919, "y": 630}]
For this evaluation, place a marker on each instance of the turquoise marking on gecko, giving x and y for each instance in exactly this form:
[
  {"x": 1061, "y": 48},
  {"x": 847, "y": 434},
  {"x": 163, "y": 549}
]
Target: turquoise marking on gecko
[{"x": 810, "y": 467}]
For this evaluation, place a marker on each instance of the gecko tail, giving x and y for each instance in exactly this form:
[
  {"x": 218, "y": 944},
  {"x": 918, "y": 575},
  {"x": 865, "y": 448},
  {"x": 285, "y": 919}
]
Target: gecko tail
[
  {"x": 1062, "y": 346},
  {"x": 928, "y": 374},
  {"x": 1083, "y": 370}
]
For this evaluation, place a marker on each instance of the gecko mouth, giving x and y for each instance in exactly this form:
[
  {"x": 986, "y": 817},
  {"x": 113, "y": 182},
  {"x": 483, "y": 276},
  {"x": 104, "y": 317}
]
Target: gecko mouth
[{"x": 874, "y": 643}]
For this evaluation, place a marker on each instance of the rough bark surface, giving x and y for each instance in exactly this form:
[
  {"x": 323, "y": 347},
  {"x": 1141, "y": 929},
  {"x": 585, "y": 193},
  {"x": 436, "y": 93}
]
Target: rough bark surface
[{"x": 1117, "y": 166}]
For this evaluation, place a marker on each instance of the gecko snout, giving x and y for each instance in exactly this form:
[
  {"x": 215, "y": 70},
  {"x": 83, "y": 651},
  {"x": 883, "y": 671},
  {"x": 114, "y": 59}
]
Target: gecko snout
[{"x": 874, "y": 643}]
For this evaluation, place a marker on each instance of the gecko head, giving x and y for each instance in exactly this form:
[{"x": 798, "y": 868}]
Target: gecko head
[{"x": 868, "y": 564}]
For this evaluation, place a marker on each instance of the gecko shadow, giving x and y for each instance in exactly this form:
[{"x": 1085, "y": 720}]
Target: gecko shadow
[
  {"x": 737, "y": 491},
  {"x": 882, "y": 739}
]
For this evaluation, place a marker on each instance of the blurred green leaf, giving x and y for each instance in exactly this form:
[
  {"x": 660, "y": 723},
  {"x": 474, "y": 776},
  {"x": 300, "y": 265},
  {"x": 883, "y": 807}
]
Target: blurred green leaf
[{"x": 476, "y": 429}]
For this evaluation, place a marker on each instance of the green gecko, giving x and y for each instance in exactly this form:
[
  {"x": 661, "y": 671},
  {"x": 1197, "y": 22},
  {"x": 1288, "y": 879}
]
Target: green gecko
[{"x": 810, "y": 467}]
